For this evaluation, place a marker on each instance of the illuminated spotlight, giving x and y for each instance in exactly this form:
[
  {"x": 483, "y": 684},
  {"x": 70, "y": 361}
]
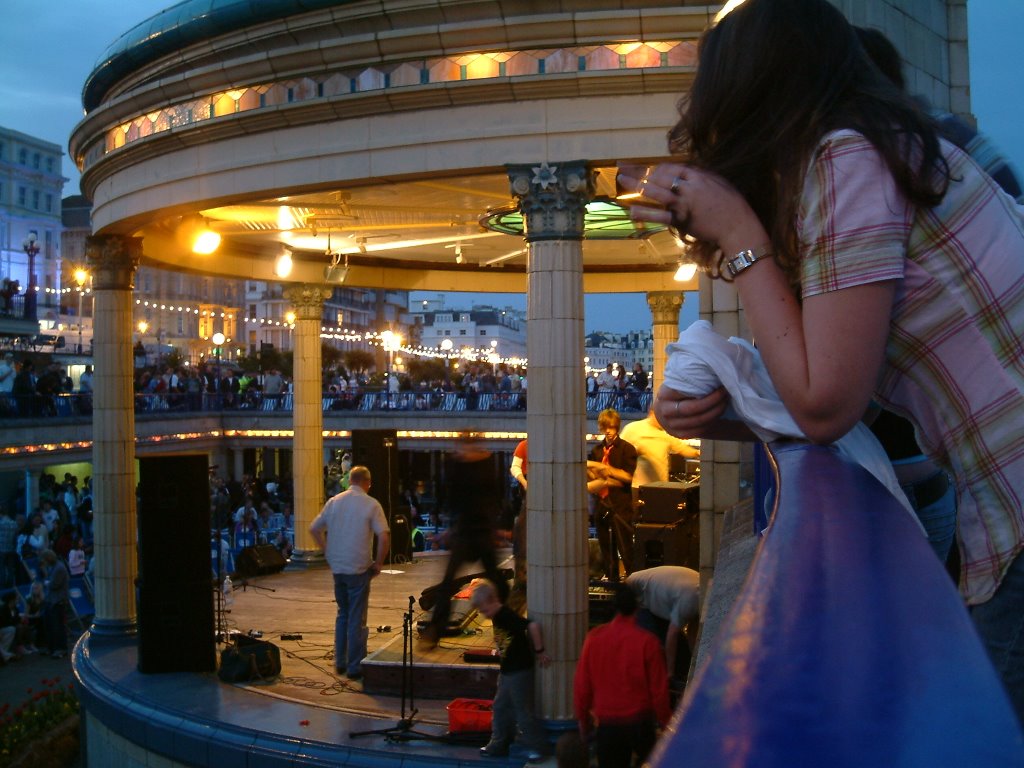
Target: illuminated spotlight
[{"x": 283, "y": 265}]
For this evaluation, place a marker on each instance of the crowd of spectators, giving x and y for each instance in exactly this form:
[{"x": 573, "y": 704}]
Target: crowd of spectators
[
  {"x": 250, "y": 512},
  {"x": 39, "y": 555},
  {"x": 28, "y": 393}
]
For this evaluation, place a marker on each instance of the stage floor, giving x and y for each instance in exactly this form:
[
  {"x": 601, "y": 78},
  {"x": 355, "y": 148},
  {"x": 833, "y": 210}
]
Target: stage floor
[{"x": 302, "y": 603}]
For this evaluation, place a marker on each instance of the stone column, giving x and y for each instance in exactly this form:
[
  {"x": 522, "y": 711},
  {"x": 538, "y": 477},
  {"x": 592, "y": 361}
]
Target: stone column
[
  {"x": 308, "y": 419},
  {"x": 665, "y": 306},
  {"x": 726, "y": 466},
  {"x": 552, "y": 200},
  {"x": 113, "y": 260}
]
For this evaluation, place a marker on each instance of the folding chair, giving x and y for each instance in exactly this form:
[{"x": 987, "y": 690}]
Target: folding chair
[{"x": 81, "y": 605}]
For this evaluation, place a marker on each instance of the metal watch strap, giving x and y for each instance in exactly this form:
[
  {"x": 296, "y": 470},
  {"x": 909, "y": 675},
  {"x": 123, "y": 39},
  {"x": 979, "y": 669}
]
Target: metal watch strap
[{"x": 744, "y": 259}]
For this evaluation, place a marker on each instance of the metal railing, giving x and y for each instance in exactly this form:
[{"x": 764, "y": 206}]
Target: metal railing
[
  {"x": 359, "y": 400},
  {"x": 848, "y": 644}
]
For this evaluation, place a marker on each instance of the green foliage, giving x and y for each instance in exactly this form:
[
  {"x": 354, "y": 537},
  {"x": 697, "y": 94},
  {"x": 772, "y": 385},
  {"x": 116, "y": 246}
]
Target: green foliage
[
  {"x": 426, "y": 370},
  {"x": 358, "y": 360},
  {"x": 330, "y": 356},
  {"x": 173, "y": 359},
  {"x": 45, "y": 709}
]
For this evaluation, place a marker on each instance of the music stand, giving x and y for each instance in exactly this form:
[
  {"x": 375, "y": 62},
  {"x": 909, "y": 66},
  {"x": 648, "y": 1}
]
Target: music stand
[{"x": 403, "y": 730}]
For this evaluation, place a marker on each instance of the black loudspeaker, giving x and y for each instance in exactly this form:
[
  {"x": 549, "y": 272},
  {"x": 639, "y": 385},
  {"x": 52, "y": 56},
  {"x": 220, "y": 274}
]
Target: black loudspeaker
[
  {"x": 667, "y": 544},
  {"x": 377, "y": 449},
  {"x": 667, "y": 502},
  {"x": 401, "y": 538},
  {"x": 260, "y": 560},
  {"x": 176, "y": 623}
]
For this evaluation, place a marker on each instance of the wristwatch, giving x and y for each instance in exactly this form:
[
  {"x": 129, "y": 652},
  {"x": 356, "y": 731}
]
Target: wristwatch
[{"x": 745, "y": 259}]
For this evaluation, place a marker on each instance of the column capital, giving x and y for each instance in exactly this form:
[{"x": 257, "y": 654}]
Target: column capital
[
  {"x": 552, "y": 198},
  {"x": 665, "y": 306},
  {"x": 307, "y": 300},
  {"x": 113, "y": 260}
]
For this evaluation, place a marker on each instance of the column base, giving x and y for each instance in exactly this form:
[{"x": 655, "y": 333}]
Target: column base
[
  {"x": 114, "y": 627},
  {"x": 305, "y": 559}
]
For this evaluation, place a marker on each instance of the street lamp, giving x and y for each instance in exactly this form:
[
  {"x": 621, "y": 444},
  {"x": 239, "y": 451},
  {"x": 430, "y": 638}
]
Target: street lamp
[
  {"x": 493, "y": 357},
  {"x": 390, "y": 341},
  {"x": 289, "y": 318},
  {"x": 446, "y": 347},
  {"x": 80, "y": 277},
  {"x": 143, "y": 326},
  {"x": 217, "y": 339},
  {"x": 31, "y": 248}
]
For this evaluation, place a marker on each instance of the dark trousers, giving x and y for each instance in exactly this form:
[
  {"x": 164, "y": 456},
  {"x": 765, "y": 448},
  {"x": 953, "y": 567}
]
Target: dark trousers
[
  {"x": 56, "y": 631},
  {"x": 616, "y": 744},
  {"x": 615, "y": 535},
  {"x": 467, "y": 550}
]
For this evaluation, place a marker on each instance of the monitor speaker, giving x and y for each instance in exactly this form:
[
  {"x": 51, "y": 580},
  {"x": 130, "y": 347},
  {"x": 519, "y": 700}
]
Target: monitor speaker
[
  {"x": 667, "y": 544},
  {"x": 176, "y": 623},
  {"x": 261, "y": 560}
]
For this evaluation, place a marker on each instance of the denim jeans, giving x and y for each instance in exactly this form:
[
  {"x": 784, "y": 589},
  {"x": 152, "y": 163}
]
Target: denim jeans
[
  {"x": 939, "y": 521},
  {"x": 352, "y": 593},
  {"x": 1000, "y": 622}
]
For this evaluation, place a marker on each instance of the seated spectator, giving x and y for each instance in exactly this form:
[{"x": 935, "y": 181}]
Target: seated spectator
[
  {"x": 246, "y": 529},
  {"x": 34, "y": 536},
  {"x": 76, "y": 558},
  {"x": 15, "y": 626},
  {"x": 9, "y": 621},
  {"x": 64, "y": 537},
  {"x": 283, "y": 543}
]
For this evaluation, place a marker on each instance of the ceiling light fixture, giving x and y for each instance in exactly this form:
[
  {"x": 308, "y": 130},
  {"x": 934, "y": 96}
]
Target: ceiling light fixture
[
  {"x": 335, "y": 272},
  {"x": 283, "y": 264},
  {"x": 194, "y": 233},
  {"x": 685, "y": 271}
]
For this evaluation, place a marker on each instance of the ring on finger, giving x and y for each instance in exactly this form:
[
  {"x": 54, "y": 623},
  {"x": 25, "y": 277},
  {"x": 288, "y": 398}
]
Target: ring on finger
[
  {"x": 676, "y": 183},
  {"x": 676, "y": 409}
]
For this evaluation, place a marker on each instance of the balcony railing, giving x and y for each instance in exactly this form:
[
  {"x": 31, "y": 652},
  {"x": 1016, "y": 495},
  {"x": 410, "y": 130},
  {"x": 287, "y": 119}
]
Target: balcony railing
[
  {"x": 848, "y": 644},
  {"x": 361, "y": 400}
]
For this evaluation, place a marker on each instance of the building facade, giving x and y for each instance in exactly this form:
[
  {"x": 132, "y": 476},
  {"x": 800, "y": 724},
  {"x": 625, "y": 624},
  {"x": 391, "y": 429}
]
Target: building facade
[{"x": 30, "y": 217}]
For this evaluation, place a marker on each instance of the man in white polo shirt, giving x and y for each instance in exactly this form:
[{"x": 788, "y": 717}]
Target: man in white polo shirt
[{"x": 344, "y": 530}]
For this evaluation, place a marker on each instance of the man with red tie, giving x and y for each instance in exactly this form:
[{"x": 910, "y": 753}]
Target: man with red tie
[{"x": 612, "y": 463}]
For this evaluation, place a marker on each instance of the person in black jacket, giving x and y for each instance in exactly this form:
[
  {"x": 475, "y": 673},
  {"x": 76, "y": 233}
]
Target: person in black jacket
[
  {"x": 612, "y": 463},
  {"x": 474, "y": 494}
]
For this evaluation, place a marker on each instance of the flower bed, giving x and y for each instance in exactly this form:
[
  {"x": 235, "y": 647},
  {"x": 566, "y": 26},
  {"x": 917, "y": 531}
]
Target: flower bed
[{"x": 43, "y": 731}]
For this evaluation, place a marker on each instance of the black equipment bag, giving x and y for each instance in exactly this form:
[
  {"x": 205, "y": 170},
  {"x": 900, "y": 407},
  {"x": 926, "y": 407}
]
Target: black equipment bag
[{"x": 249, "y": 659}]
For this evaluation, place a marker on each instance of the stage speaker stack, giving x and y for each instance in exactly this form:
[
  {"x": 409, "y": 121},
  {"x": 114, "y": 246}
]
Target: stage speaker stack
[
  {"x": 176, "y": 623},
  {"x": 260, "y": 560},
  {"x": 377, "y": 449},
  {"x": 667, "y": 530}
]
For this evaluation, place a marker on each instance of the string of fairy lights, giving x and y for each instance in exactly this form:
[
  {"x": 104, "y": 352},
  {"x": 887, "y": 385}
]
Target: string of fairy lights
[{"x": 383, "y": 339}]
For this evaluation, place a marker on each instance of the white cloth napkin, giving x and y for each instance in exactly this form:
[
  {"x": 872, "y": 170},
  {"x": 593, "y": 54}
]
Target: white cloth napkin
[{"x": 702, "y": 360}]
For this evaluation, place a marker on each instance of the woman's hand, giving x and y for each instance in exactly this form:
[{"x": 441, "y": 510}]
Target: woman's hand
[
  {"x": 685, "y": 416},
  {"x": 697, "y": 203}
]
